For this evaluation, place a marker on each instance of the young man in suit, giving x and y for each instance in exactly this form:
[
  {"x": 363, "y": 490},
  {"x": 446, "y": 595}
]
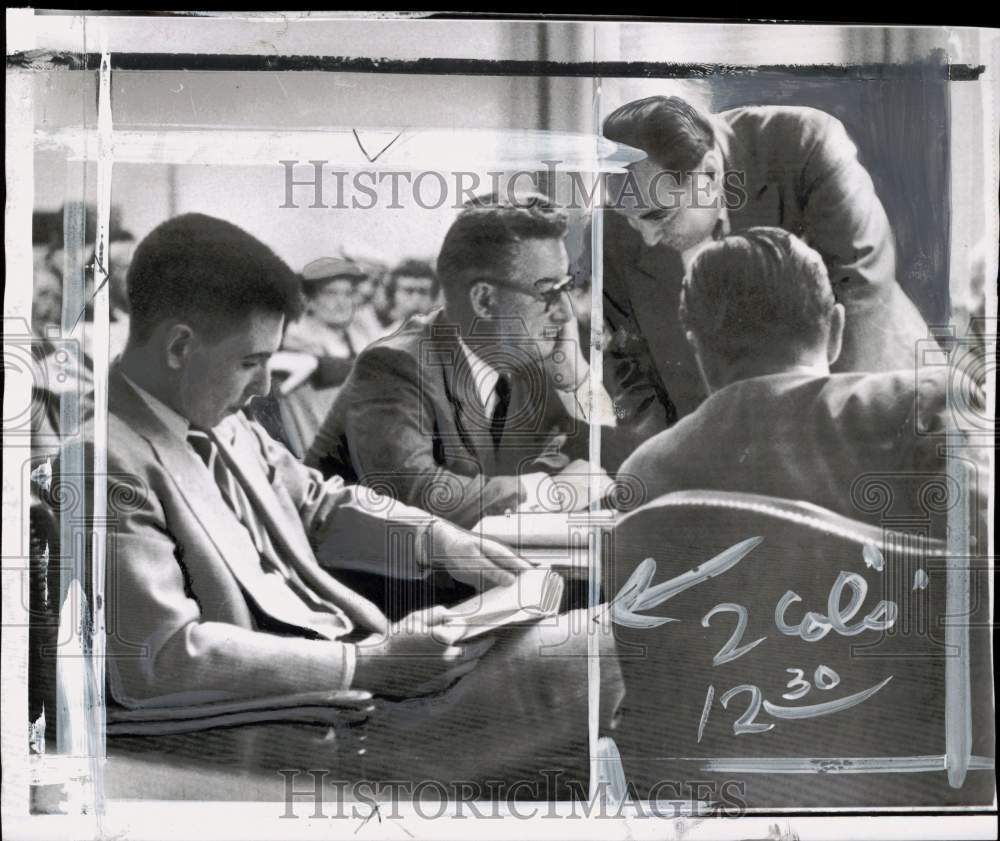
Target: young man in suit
[
  {"x": 214, "y": 591},
  {"x": 765, "y": 327},
  {"x": 467, "y": 411},
  {"x": 710, "y": 175}
]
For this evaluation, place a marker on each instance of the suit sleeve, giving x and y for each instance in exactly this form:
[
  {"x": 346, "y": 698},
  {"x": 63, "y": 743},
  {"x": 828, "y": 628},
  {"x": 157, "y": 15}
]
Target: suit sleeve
[
  {"x": 844, "y": 220},
  {"x": 641, "y": 402},
  {"x": 331, "y": 371},
  {"x": 349, "y": 526},
  {"x": 389, "y": 427},
  {"x": 161, "y": 651}
]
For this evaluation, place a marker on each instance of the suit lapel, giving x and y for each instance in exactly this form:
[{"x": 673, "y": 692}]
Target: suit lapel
[
  {"x": 199, "y": 492},
  {"x": 238, "y": 447},
  {"x": 193, "y": 482},
  {"x": 767, "y": 201}
]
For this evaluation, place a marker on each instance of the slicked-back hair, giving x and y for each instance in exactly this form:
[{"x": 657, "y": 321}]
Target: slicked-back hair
[
  {"x": 208, "y": 272},
  {"x": 762, "y": 292},
  {"x": 674, "y": 133},
  {"x": 480, "y": 241}
]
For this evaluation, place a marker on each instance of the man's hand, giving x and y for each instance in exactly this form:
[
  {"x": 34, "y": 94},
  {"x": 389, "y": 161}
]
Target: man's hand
[
  {"x": 566, "y": 366},
  {"x": 417, "y": 656},
  {"x": 569, "y": 490},
  {"x": 295, "y": 367},
  {"x": 471, "y": 559}
]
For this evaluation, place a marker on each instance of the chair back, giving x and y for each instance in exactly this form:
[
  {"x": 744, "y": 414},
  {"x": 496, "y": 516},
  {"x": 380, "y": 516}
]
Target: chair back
[{"x": 823, "y": 647}]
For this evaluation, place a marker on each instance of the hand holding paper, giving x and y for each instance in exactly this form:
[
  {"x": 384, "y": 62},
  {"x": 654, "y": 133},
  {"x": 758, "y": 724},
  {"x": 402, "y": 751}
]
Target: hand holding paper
[
  {"x": 473, "y": 560},
  {"x": 534, "y": 595},
  {"x": 568, "y": 490},
  {"x": 418, "y": 655}
]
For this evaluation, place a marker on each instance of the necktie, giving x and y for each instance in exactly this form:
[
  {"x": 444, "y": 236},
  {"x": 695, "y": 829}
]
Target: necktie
[
  {"x": 232, "y": 492},
  {"x": 499, "y": 419},
  {"x": 317, "y": 613}
]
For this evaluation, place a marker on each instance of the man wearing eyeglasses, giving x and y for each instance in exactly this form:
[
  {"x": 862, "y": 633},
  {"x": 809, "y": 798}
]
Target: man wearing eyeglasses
[{"x": 480, "y": 407}]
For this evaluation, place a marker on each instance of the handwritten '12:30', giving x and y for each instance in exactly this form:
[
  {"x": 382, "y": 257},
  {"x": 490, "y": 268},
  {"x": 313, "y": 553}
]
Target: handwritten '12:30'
[{"x": 638, "y": 594}]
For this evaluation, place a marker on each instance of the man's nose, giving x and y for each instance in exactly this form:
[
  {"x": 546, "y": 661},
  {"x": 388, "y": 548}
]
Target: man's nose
[
  {"x": 261, "y": 383},
  {"x": 562, "y": 309}
]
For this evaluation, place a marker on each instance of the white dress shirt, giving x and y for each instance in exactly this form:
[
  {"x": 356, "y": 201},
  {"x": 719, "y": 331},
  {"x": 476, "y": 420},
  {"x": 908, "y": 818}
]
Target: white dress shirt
[{"x": 485, "y": 377}]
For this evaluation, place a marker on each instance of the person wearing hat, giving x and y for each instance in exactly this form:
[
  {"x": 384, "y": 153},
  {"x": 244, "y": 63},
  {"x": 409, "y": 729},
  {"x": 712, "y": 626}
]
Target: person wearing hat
[
  {"x": 325, "y": 328},
  {"x": 221, "y": 589},
  {"x": 373, "y": 313},
  {"x": 317, "y": 352}
]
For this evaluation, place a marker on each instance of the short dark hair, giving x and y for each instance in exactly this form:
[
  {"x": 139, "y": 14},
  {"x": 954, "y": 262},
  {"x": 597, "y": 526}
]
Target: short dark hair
[
  {"x": 762, "y": 292},
  {"x": 480, "y": 240},
  {"x": 207, "y": 271},
  {"x": 411, "y": 268},
  {"x": 674, "y": 134}
]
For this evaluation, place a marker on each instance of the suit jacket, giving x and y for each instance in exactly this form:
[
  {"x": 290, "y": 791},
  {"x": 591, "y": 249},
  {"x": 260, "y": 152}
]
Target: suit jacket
[
  {"x": 789, "y": 167},
  {"x": 189, "y": 612},
  {"x": 409, "y": 421},
  {"x": 867, "y": 446}
]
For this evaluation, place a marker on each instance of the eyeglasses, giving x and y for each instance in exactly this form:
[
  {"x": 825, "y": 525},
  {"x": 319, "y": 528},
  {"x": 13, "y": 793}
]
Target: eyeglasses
[{"x": 548, "y": 295}]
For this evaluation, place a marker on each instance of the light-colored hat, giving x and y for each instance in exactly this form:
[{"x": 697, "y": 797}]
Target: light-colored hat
[{"x": 332, "y": 268}]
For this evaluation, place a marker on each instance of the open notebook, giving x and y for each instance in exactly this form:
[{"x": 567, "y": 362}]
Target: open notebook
[{"x": 535, "y": 594}]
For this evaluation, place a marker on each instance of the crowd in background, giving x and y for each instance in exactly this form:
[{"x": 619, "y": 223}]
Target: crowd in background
[{"x": 350, "y": 302}]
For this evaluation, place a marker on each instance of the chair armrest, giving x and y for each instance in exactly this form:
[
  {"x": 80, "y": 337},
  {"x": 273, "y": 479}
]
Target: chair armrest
[{"x": 338, "y": 707}]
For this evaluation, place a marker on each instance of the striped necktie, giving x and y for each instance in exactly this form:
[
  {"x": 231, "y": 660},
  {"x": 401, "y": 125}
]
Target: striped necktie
[
  {"x": 318, "y": 613},
  {"x": 232, "y": 492}
]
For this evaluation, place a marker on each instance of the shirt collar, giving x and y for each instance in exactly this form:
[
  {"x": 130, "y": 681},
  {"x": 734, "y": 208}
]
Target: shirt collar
[
  {"x": 173, "y": 421},
  {"x": 484, "y": 375},
  {"x": 724, "y": 141},
  {"x": 722, "y": 227}
]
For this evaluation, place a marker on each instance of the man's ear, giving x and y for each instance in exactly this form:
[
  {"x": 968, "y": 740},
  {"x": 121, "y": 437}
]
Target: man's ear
[
  {"x": 178, "y": 345},
  {"x": 835, "y": 341},
  {"x": 483, "y": 300},
  {"x": 712, "y": 163},
  {"x": 711, "y": 169}
]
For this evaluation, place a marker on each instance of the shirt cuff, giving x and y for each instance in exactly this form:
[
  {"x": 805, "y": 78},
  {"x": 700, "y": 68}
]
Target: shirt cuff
[
  {"x": 350, "y": 664},
  {"x": 577, "y": 404},
  {"x": 530, "y": 485},
  {"x": 422, "y": 566}
]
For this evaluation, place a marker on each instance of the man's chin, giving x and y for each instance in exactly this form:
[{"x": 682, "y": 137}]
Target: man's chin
[
  {"x": 229, "y": 411},
  {"x": 538, "y": 353},
  {"x": 681, "y": 244}
]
